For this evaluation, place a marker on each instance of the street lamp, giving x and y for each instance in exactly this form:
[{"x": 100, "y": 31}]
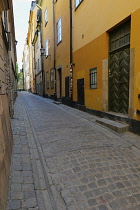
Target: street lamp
[
  {"x": 16, "y": 42},
  {"x": 42, "y": 50}
]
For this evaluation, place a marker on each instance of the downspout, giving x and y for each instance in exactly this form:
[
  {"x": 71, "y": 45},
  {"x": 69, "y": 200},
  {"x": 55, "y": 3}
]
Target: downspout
[
  {"x": 71, "y": 57},
  {"x": 54, "y": 64},
  {"x": 70, "y": 31},
  {"x": 42, "y": 60},
  {"x": 34, "y": 69}
]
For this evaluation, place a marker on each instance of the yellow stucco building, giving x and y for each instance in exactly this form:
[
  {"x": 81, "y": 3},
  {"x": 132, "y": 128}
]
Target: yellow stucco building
[
  {"x": 30, "y": 36},
  {"x": 106, "y": 55},
  {"x": 88, "y": 54},
  {"x": 48, "y": 53},
  {"x": 56, "y": 46},
  {"x": 62, "y": 20}
]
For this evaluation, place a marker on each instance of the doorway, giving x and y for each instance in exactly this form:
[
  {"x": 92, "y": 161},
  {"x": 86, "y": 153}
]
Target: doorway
[
  {"x": 119, "y": 67},
  {"x": 80, "y": 91},
  {"x": 59, "y": 83}
]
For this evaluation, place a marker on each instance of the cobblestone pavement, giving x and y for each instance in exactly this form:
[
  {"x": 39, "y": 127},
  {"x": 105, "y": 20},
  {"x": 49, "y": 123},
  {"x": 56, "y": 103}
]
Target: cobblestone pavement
[{"x": 62, "y": 159}]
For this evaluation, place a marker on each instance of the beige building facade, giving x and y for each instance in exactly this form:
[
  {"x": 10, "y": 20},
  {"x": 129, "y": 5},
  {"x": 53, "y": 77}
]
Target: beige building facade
[{"x": 30, "y": 36}]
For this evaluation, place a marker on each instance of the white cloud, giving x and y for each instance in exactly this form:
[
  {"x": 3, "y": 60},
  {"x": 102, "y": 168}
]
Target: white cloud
[{"x": 17, "y": 1}]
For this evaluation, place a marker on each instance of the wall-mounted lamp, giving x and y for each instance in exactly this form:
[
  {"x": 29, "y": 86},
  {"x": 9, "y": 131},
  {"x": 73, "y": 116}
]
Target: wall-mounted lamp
[
  {"x": 42, "y": 50},
  {"x": 16, "y": 42},
  {"x": 72, "y": 64}
]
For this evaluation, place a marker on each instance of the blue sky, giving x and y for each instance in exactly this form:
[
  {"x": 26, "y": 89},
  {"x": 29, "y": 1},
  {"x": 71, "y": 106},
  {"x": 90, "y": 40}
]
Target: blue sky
[{"x": 21, "y": 18}]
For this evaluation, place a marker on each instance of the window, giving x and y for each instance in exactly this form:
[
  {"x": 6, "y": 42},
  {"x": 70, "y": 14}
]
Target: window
[
  {"x": 9, "y": 41},
  {"x": 47, "y": 47},
  {"x": 38, "y": 66},
  {"x": 47, "y": 80},
  {"x": 93, "y": 78},
  {"x": 59, "y": 31},
  {"x": 5, "y": 21},
  {"x": 52, "y": 78},
  {"x": 77, "y": 2},
  {"x": 46, "y": 16}
]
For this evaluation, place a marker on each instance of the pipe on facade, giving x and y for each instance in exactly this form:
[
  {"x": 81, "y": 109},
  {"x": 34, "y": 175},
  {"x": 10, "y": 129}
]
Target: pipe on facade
[
  {"x": 70, "y": 2},
  {"x": 71, "y": 45},
  {"x": 53, "y": 3}
]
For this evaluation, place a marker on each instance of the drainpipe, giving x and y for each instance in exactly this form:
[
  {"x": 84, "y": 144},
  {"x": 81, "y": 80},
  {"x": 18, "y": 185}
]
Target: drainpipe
[
  {"x": 70, "y": 31},
  {"x": 71, "y": 57},
  {"x": 53, "y": 3},
  {"x": 42, "y": 62},
  {"x": 34, "y": 71}
]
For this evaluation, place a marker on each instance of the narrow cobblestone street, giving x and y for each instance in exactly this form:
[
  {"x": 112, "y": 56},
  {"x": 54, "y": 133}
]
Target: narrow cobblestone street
[{"x": 62, "y": 159}]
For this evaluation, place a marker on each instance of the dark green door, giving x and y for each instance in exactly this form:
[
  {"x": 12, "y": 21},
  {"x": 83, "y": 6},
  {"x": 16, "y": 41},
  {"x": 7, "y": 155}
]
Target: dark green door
[
  {"x": 119, "y": 65},
  {"x": 67, "y": 81},
  {"x": 80, "y": 89}
]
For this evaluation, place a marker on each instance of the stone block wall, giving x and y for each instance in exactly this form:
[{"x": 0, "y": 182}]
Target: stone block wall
[{"x": 6, "y": 141}]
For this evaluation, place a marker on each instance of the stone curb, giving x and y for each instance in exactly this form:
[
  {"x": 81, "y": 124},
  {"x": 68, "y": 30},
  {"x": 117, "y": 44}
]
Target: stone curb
[{"x": 48, "y": 190}]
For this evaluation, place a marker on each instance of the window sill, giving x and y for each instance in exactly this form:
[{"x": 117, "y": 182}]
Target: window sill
[
  {"x": 93, "y": 88},
  {"x": 78, "y": 5},
  {"x": 46, "y": 23},
  {"x": 59, "y": 42}
]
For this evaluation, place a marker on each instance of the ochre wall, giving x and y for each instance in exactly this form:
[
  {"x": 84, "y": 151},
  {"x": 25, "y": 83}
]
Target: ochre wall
[
  {"x": 61, "y": 9},
  {"x": 90, "y": 56},
  {"x": 63, "y": 49},
  {"x": 47, "y": 33},
  {"x": 30, "y": 36},
  {"x": 93, "y": 18},
  {"x": 135, "y": 44},
  {"x": 90, "y": 47}
]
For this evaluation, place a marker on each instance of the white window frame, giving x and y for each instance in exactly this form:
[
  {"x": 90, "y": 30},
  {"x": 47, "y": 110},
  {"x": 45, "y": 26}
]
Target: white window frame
[
  {"x": 77, "y": 2},
  {"x": 46, "y": 16},
  {"x": 47, "y": 47},
  {"x": 59, "y": 30}
]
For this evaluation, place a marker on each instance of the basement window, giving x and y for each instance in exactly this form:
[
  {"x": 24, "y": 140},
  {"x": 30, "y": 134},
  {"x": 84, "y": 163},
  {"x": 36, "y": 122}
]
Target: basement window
[{"x": 93, "y": 78}]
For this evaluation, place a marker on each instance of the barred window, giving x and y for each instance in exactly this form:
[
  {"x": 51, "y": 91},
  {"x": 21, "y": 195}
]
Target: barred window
[
  {"x": 59, "y": 31},
  {"x": 93, "y": 78}
]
